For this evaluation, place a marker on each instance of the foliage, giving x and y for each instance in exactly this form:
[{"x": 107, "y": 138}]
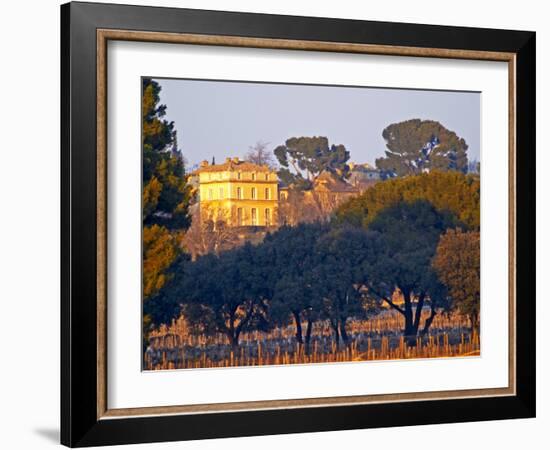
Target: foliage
[
  {"x": 166, "y": 194},
  {"x": 338, "y": 276},
  {"x": 416, "y": 146},
  {"x": 302, "y": 159},
  {"x": 224, "y": 294},
  {"x": 292, "y": 256},
  {"x": 451, "y": 191},
  {"x": 164, "y": 305},
  {"x": 160, "y": 248},
  {"x": 457, "y": 265},
  {"x": 165, "y": 197},
  {"x": 403, "y": 241},
  {"x": 157, "y": 133}
]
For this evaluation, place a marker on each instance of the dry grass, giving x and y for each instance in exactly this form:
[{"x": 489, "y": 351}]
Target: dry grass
[{"x": 379, "y": 338}]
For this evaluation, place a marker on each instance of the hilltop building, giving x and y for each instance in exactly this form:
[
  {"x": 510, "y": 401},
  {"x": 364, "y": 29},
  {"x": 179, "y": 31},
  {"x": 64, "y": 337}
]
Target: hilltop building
[
  {"x": 239, "y": 193},
  {"x": 334, "y": 188},
  {"x": 243, "y": 194},
  {"x": 316, "y": 204},
  {"x": 363, "y": 175}
]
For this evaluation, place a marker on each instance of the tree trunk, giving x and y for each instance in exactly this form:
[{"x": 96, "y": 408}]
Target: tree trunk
[
  {"x": 474, "y": 320},
  {"x": 429, "y": 321},
  {"x": 308, "y": 335},
  {"x": 343, "y": 332},
  {"x": 418, "y": 311},
  {"x": 409, "y": 332},
  {"x": 298, "y": 322},
  {"x": 234, "y": 338},
  {"x": 236, "y": 331},
  {"x": 336, "y": 332}
]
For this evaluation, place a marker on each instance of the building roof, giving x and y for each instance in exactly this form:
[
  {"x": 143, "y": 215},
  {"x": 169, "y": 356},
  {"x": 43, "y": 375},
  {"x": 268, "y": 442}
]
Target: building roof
[
  {"x": 232, "y": 164},
  {"x": 364, "y": 167},
  {"x": 331, "y": 183}
]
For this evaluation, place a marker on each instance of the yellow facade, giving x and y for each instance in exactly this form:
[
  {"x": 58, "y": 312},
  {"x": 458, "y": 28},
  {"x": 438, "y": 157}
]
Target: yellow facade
[{"x": 238, "y": 193}]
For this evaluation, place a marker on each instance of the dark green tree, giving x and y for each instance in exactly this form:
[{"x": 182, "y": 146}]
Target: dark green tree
[
  {"x": 404, "y": 239},
  {"x": 291, "y": 259},
  {"x": 302, "y": 159},
  {"x": 452, "y": 191},
  {"x": 218, "y": 294},
  {"x": 416, "y": 146},
  {"x": 166, "y": 195},
  {"x": 457, "y": 265},
  {"x": 338, "y": 276},
  {"x": 166, "y": 304}
]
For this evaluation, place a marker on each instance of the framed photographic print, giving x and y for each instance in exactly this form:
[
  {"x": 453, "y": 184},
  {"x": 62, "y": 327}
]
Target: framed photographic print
[{"x": 276, "y": 224}]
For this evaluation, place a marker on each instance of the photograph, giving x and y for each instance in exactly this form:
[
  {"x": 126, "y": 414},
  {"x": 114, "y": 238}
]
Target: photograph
[{"x": 308, "y": 224}]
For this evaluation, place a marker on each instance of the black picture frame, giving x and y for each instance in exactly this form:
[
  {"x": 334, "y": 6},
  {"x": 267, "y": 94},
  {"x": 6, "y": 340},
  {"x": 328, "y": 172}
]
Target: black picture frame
[{"x": 80, "y": 425}]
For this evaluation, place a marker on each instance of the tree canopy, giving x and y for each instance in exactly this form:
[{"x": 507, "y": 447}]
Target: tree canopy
[
  {"x": 218, "y": 294},
  {"x": 166, "y": 194},
  {"x": 292, "y": 255},
  {"x": 451, "y": 191},
  {"x": 160, "y": 248},
  {"x": 302, "y": 159},
  {"x": 339, "y": 272},
  {"x": 417, "y": 146},
  {"x": 403, "y": 240},
  {"x": 457, "y": 265},
  {"x": 165, "y": 197}
]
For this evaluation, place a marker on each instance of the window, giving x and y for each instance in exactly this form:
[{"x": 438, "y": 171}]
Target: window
[
  {"x": 254, "y": 217},
  {"x": 267, "y": 194},
  {"x": 283, "y": 196},
  {"x": 239, "y": 216},
  {"x": 267, "y": 217},
  {"x": 253, "y": 193},
  {"x": 239, "y": 193},
  {"x": 266, "y": 177},
  {"x": 210, "y": 194},
  {"x": 221, "y": 193},
  {"x": 253, "y": 176},
  {"x": 238, "y": 175}
]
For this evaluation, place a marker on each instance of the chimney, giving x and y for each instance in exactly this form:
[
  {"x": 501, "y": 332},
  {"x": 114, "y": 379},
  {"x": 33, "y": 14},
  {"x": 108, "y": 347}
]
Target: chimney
[
  {"x": 227, "y": 160},
  {"x": 236, "y": 160},
  {"x": 204, "y": 163}
]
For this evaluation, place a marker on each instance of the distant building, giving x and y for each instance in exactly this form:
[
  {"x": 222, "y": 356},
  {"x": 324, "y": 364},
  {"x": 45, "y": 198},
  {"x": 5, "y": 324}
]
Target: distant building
[
  {"x": 244, "y": 194},
  {"x": 238, "y": 193},
  {"x": 363, "y": 175},
  {"x": 333, "y": 189},
  {"x": 328, "y": 192}
]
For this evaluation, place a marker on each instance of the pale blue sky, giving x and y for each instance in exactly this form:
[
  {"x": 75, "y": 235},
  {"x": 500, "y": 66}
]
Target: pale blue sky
[{"x": 224, "y": 118}]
